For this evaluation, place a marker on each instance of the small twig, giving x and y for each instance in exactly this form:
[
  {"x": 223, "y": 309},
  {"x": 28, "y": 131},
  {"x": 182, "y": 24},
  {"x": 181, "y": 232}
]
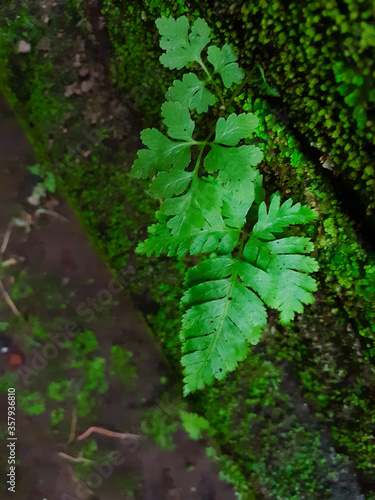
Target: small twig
[
  {"x": 8, "y": 300},
  {"x": 8, "y": 262},
  {"x": 108, "y": 433},
  {"x": 6, "y": 240},
  {"x": 51, "y": 212},
  {"x": 74, "y": 459},
  {"x": 73, "y": 427}
]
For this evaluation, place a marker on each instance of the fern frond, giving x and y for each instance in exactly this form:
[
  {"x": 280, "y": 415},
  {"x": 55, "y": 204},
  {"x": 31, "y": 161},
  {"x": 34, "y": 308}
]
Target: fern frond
[
  {"x": 269, "y": 273},
  {"x": 235, "y": 209},
  {"x": 275, "y": 270},
  {"x": 181, "y": 48},
  {"x": 161, "y": 154},
  {"x": 252, "y": 265},
  {"x": 226, "y": 298},
  {"x": 279, "y": 217},
  {"x": 190, "y": 211},
  {"x": 177, "y": 119},
  {"x": 193, "y": 223},
  {"x": 192, "y": 93},
  {"x": 222, "y": 316},
  {"x": 229, "y": 131},
  {"x": 224, "y": 62},
  {"x": 234, "y": 163},
  {"x": 237, "y": 177},
  {"x": 206, "y": 240},
  {"x": 287, "y": 270},
  {"x": 171, "y": 183}
]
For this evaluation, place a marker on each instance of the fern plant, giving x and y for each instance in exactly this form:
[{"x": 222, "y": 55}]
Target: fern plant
[{"x": 213, "y": 205}]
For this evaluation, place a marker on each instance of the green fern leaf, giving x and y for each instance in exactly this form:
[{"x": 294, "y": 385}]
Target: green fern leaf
[
  {"x": 252, "y": 265},
  {"x": 208, "y": 239},
  {"x": 160, "y": 241},
  {"x": 229, "y": 131},
  {"x": 178, "y": 120},
  {"x": 224, "y": 62},
  {"x": 274, "y": 269},
  {"x": 190, "y": 211},
  {"x": 192, "y": 93},
  {"x": 221, "y": 240},
  {"x": 235, "y": 208},
  {"x": 171, "y": 183},
  {"x": 195, "y": 222},
  {"x": 181, "y": 48},
  {"x": 292, "y": 288},
  {"x": 280, "y": 217},
  {"x": 234, "y": 163},
  {"x": 161, "y": 154},
  {"x": 185, "y": 216},
  {"x": 215, "y": 331},
  {"x": 260, "y": 193},
  {"x": 194, "y": 424},
  {"x": 237, "y": 178}
]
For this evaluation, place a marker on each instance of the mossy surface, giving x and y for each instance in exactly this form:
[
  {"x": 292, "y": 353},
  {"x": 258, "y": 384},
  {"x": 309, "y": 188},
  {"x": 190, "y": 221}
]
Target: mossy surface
[{"x": 266, "y": 434}]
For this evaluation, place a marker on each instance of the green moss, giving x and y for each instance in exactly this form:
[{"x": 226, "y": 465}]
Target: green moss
[
  {"x": 160, "y": 426},
  {"x": 31, "y": 403},
  {"x": 120, "y": 367},
  {"x": 321, "y": 65},
  {"x": 328, "y": 89},
  {"x": 57, "y": 416},
  {"x": 59, "y": 390}
]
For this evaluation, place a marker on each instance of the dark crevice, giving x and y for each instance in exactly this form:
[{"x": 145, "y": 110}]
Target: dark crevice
[{"x": 351, "y": 201}]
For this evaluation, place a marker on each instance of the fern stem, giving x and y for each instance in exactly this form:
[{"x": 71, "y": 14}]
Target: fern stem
[
  {"x": 239, "y": 89},
  {"x": 241, "y": 242},
  {"x": 248, "y": 79},
  {"x": 210, "y": 78},
  {"x": 196, "y": 168},
  {"x": 236, "y": 92}
]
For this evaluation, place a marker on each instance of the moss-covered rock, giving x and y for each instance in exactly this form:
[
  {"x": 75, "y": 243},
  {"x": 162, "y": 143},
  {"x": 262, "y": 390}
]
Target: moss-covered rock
[{"x": 297, "y": 416}]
